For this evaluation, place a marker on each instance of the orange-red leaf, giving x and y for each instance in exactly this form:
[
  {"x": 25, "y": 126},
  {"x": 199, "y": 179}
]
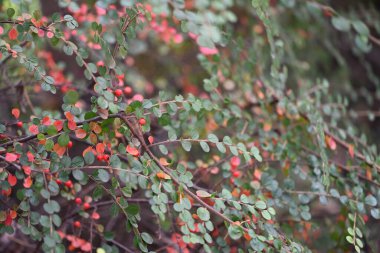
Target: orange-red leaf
[
  {"x": 59, "y": 150},
  {"x": 12, "y": 180},
  {"x": 150, "y": 139},
  {"x": 351, "y": 150},
  {"x": 80, "y": 133},
  {"x": 164, "y": 162},
  {"x": 10, "y": 157},
  {"x": 58, "y": 125},
  {"x": 16, "y": 113},
  {"x": 100, "y": 147},
  {"x": 33, "y": 129},
  {"x": 71, "y": 125},
  {"x": 28, "y": 182},
  {"x": 132, "y": 150},
  {"x": 69, "y": 116},
  {"x": 95, "y": 127},
  {"x": 13, "y": 34},
  {"x": 162, "y": 175},
  {"x": 46, "y": 121}
]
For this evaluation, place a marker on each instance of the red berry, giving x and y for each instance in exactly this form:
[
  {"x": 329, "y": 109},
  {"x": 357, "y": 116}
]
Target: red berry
[
  {"x": 78, "y": 201},
  {"x": 69, "y": 184},
  {"x": 235, "y": 162},
  {"x": 77, "y": 224},
  {"x": 142, "y": 121},
  {"x": 236, "y": 173},
  {"x": 70, "y": 144},
  {"x": 86, "y": 206},
  {"x": 99, "y": 157},
  {"x": 58, "y": 181},
  {"x": 106, "y": 157},
  {"x": 19, "y": 124},
  {"x": 127, "y": 90},
  {"x": 118, "y": 92}
]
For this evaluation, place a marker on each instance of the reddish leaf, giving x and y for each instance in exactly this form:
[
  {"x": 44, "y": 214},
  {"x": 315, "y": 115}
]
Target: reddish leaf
[
  {"x": 164, "y": 162},
  {"x": 162, "y": 175},
  {"x": 95, "y": 127},
  {"x": 46, "y": 121},
  {"x": 13, "y": 214},
  {"x": 132, "y": 150},
  {"x": 71, "y": 125},
  {"x": 150, "y": 139},
  {"x": 89, "y": 149},
  {"x": 30, "y": 156},
  {"x": 86, "y": 247},
  {"x": 16, "y": 113},
  {"x": 28, "y": 182},
  {"x": 27, "y": 170},
  {"x": 13, "y": 34},
  {"x": 80, "y": 133},
  {"x": 58, "y": 125},
  {"x": 12, "y": 180},
  {"x": 10, "y": 157},
  {"x": 33, "y": 129},
  {"x": 69, "y": 116},
  {"x": 351, "y": 150},
  {"x": 59, "y": 150},
  {"x": 100, "y": 147}
]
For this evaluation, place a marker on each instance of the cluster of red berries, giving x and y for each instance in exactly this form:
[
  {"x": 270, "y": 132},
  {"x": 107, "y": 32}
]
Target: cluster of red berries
[
  {"x": 68, "y": 183},
  {"x": 235, "y": 162},
  {"x": 119, "y": 92},
  {"x": 104, "y": 158}
]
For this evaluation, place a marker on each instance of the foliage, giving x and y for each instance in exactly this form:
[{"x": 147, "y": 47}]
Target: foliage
[{"x": 186, "y": 126}]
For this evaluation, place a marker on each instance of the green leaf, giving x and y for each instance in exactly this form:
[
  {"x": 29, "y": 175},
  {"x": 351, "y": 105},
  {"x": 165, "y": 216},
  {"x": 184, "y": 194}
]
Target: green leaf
[
  {"x": 221, "y": 147},
  {"x": 71, "y": 97},
  {"x": 103, "y": 175},
  {"x": 204, "y": 146},
  {"x": 370, "y": 200},
  {"x": 172, "y": 135},
  {"x": 256, "y": 154},
  {"x": 361, "y": 28},
  {"x": 63, "y": 140},
  {"x": 341, "y": 23},
  {"x": 186, "y": 145},
  {"x": 266, "y": 215},
  {"x": 213, "y": 138},
  {"x": 235, "y": 232},
  {"x": 132, "y": 209},
  {"x": 10, "y": 12},
  {"x": 203, "y": 194},
  {"x": 146, "y": 238},
  {"x": 89, "y": 158},
  {"x": 203, "y": 214},
  {"x": 260, "y": 205},
  {"x": 350, "y": 239}
]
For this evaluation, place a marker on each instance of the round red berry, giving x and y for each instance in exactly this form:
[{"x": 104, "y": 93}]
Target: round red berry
[
  {"x": 118, "y": 92},
  {"x": 106, "y": 157},
  {"x": 127, "y": 90},
  {"x": 77, "y": 224},
  {"x": 78, "y": 201},
  {"x": 69, "y": 184},
  {"x": 99, "y": 157},
  {"x": 19, "y": 124},
  {"x": 142, "y": 121},
  {"x": 235, "y": 161},
  {"x": 86, "y": 206},
  {"x": 58, "y": 181},
  {"x": 70, "y": 144},
  {"x": 236, "y": 173}
]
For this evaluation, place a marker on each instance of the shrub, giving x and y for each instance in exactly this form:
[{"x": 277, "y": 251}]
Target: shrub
[{"x": 186, "y": 126}]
